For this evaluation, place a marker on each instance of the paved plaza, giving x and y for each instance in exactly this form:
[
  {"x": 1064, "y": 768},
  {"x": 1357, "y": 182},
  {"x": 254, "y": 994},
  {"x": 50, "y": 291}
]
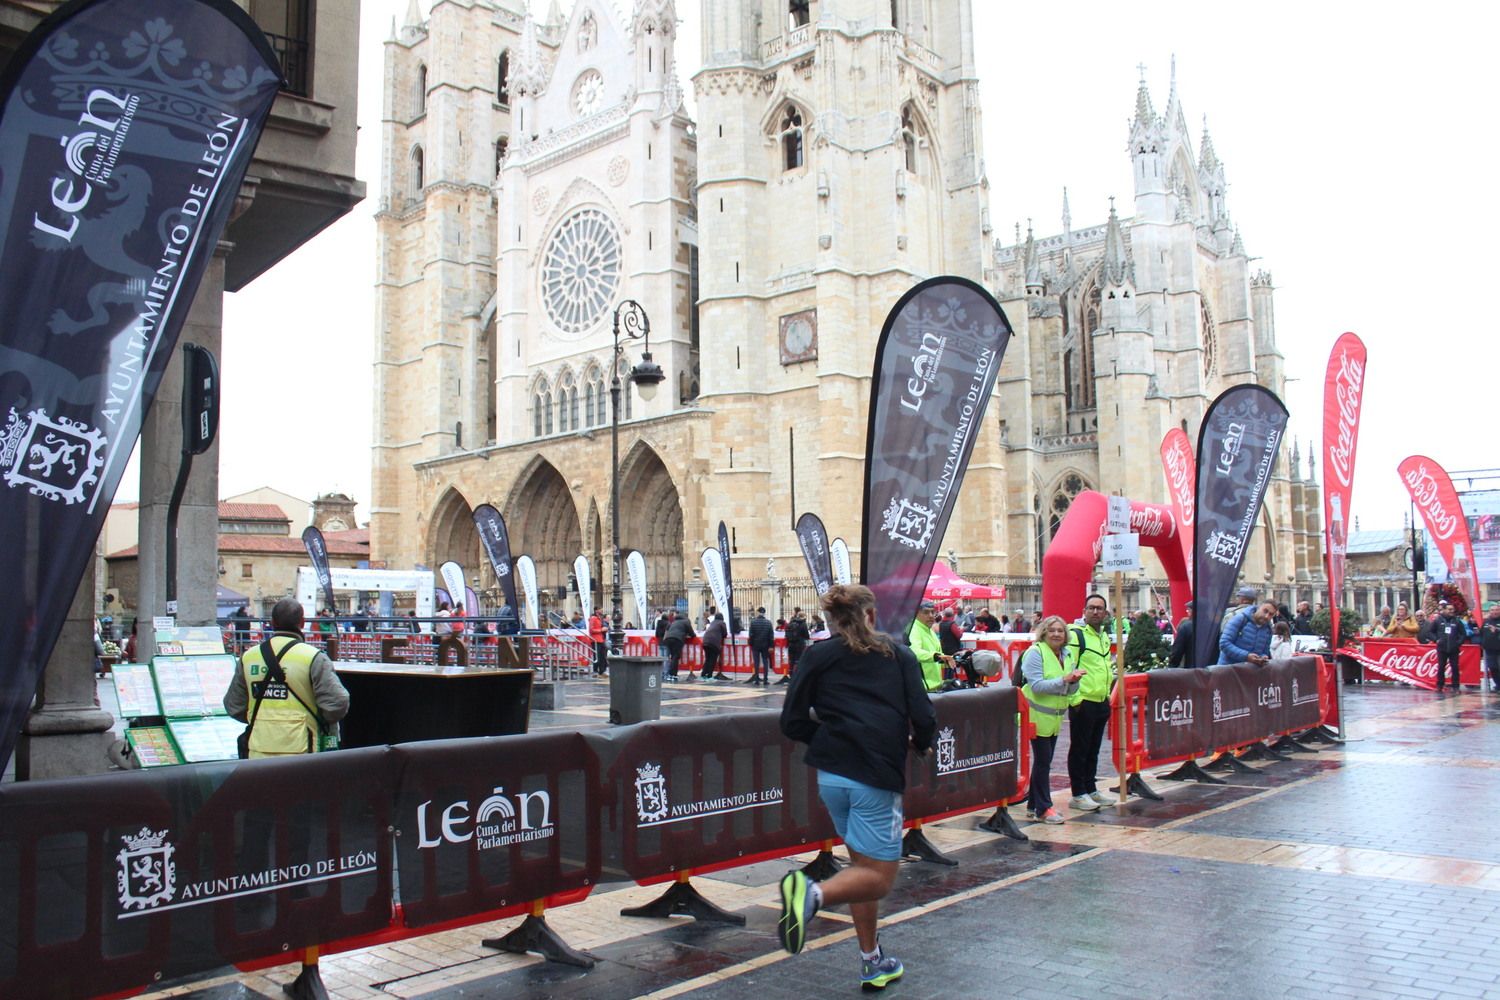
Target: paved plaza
[{"x": 1371, "y": 870}]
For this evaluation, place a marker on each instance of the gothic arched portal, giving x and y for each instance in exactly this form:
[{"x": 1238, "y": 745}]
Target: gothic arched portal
[
  {"x": 651, "y": 521},
  {"x": 543, "y": 524},
  {"x": 451, "y": 535}
]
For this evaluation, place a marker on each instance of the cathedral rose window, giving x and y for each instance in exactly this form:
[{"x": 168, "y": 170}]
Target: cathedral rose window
[{"x": 581, "y": 270}]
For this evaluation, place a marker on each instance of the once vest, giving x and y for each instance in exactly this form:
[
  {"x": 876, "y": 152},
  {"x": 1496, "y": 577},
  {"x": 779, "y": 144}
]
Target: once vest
[
  {"x": 282, "y": 726},
  {"x": 1047, "y": 710},
  {"x": 924, "y": 643},
  {"x": 1093, "y": 657}
]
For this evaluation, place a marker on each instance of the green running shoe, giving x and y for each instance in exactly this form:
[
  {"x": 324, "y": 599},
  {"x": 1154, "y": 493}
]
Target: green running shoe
[
  {"x": 797, "y": 909},
  {"x": 879, "y": 973}
]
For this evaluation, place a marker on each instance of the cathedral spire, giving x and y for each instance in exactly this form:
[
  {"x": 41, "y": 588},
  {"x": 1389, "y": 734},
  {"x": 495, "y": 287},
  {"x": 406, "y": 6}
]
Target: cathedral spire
[
  {"x": 1067, "y": 219},
  {"x": 1033, "y": 264},
  {"x": 1238, "y": 246},
  {"x": 1145, "y": 114},
  {"x": 1207, "y": 158},
  {"x": 1296, "y": 459},
  {"x": 1115, "y": 267},
  {"x": 413, "y": 15},
  {"x": 528, "y": 71}
]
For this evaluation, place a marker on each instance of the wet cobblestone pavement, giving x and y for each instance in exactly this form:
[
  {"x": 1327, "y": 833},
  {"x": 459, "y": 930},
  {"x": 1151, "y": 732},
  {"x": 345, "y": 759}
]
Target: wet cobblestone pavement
[{"x": 1367, "y": 870}]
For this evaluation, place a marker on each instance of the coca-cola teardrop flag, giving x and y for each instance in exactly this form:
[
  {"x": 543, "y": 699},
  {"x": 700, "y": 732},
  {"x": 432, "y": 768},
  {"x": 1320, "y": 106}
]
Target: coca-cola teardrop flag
[
  {"x": 585, "y": 585},
  {"x": 496, "y": 542},
  {"x": 1182, "y": 475},
  {"x": 713, "y": 573},
  {"x": 125, "y": 131},
  {"x": 1237, "y": 448},
  {"x": 1343, "y": 391},
  {"x": 1432, "y": 491},
  {"x": 635, "y": 568},
  {"x": 531, "y": 612},
  {"x": 317, "y": 552},
  {"x": 813, "y": 538},
  {"x": 936, "y": 363}
]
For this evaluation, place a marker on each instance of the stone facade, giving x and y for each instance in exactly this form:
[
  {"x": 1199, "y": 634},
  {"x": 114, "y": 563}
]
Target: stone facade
[{"x": 837, "y": 159}]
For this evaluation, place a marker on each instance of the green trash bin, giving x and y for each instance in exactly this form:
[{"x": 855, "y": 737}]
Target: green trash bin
[{"x": 634, "y": 689}]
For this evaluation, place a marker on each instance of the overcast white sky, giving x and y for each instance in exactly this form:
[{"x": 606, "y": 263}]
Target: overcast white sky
[{"x": 1359, "y": 157}]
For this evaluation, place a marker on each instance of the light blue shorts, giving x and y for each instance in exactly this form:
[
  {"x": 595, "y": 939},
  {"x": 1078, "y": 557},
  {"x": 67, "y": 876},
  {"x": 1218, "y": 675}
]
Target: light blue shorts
[{"x": 868, "y": 819}]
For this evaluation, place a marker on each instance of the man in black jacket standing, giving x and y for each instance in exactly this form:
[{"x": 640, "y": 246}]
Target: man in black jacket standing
[
  {"x": 1181, "y": 654},
  {"x": 1448, "y": 633},
  {"x": 762, "y": 640},
  {"x": 1489, "y": 641},
  {"x": 797, "y": 638}
]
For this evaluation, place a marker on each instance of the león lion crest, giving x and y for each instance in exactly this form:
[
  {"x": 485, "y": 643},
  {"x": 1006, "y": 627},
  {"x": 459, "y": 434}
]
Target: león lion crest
[
  {"x": 650, "y": 794},
  {"x": 147, "y": 875}
]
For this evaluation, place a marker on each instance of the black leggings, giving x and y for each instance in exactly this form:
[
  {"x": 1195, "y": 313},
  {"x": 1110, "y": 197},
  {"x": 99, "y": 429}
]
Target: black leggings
[{"x": 1039, "y": 795}]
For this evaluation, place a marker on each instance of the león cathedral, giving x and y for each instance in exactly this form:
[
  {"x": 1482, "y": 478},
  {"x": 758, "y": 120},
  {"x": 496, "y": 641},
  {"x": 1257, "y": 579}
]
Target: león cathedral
[{"x": 540, "y": 169}]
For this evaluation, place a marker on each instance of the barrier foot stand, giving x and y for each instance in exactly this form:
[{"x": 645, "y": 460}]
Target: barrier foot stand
[
  {"x": 823, "y": 867},
  {"x": 1259, "y": 751},
  {"x": 1189, "y": 770},
  {"x": 1227, "y": 761},
  {"x": 916, "y": 845},
  {"x": 1136, "y": 785},
  {"x": 1319, "y": 734},
  {"x": 534, "y": 936},
  {"x": 683, "y": 898},
  {"x": 1001, "y": 823},
  {"x": 309, "y": 982},
  {"x": 1288, "y": 744}
]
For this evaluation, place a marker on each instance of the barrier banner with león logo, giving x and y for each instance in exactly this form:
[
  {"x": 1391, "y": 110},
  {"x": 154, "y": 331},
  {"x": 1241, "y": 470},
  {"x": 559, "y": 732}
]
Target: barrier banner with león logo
[
  {"x": 1237, "y": 448},
  {"x": 1189, "y": 712},
  {"x": 1343, "y": 394},
  {"x": 496, "y": 542},
  {"x": 1432, "y": 491},
  {"x": 936, "y": 363},
  {"x": 974, "y": 756},
  {"x": 125, "y": 130},
  {"x": 700, "y": 794},
  {"x": 813, "y": 539},
  {"x": 487, "y": 824},
  {"x": 164, "y": 873}
]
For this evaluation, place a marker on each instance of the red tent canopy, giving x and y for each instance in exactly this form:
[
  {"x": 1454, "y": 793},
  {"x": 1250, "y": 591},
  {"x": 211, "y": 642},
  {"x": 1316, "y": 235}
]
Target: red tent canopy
[{"x": 946, "y": 585}]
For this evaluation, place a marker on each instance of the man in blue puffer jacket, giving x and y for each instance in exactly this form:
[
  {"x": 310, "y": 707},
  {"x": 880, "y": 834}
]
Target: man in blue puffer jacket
[{"x": 1247, "y": 636}]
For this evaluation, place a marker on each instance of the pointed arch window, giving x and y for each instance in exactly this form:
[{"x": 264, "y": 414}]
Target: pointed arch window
[
  {"x": 541, "y": 408},
  {"x": 595, "y": 410},
  {"x": 791, "y": 139},
  {"x": 502, "y": 84},
  {"x": 1210, "y": 339},
  {"x": 910, "y": 137},
  {"x": 502, "y": 145},
  {"x": 1062, "y": 498},
  {"x": 1078, "y": 360},
  {"x": 798, "y": 13},
  {"x": 567, "y": 403},
  {"x": 421, "y": 94},
  {"x": 588, "y": 32},
  {"x": 622, "y": 372},
  {"x": 418, "y": 177}
]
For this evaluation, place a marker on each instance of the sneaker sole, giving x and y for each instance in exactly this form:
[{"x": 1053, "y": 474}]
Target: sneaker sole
[
  {"x": 881, "y": 982},
  {"x": 792, "y": 931}
]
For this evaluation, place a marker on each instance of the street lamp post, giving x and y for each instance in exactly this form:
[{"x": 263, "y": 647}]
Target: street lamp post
[{"x": 631, "y": 320}]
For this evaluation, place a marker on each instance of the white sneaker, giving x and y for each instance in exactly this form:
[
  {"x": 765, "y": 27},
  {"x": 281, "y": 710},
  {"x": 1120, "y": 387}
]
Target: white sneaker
[
  {"x": 1083, "y": 803},
  {"x": 1103, "y": 798}
]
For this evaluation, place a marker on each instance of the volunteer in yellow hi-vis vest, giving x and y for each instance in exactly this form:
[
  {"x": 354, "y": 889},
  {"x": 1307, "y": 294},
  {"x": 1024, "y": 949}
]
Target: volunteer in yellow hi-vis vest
[
  {"x": 1088, "y": 711},
  {"x": 925, "y": 645},
  {"x": 1049, "y": 681},
  {"x": 283, "y": 725}
]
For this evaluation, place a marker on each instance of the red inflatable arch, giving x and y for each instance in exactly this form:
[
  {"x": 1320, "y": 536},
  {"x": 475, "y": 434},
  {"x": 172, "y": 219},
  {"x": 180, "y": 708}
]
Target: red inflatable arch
[{"x": 1069, "y": 563}]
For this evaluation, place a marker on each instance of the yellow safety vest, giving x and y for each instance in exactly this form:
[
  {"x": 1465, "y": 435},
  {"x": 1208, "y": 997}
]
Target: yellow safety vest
[
  {"x": 282, "y": 726},
  {"x": 1047, "y": 710},
  {"x": 924, "y": 643},
  {"x": 1093, "y": 657}
]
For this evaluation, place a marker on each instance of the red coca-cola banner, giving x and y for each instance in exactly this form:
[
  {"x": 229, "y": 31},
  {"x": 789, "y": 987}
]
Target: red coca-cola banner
[
  {"x": 1432, "y": 491},
  {"x": 1343, "y": 391},
  {"x": 1180, "y": 468},
  {"x": 1411, "y": 662}
]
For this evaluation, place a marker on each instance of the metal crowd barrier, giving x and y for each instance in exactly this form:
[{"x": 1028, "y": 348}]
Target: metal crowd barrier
[{"x": 118, "y": 883}]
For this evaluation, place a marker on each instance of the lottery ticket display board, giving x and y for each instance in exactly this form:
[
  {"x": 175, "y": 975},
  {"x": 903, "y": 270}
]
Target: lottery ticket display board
[{"x": 176, "y": 704}]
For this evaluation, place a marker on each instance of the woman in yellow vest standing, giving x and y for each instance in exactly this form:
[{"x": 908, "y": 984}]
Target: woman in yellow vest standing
[
  {"x": 1049, "y": 684},
  {"x": 286, "y": 699}
]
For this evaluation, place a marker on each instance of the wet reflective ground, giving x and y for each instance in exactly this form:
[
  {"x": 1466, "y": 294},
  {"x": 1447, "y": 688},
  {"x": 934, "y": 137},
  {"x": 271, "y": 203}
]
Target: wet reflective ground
[{"x": 1369, "y": 870}]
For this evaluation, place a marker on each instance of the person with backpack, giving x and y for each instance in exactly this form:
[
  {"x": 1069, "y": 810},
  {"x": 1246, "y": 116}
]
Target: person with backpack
[
  {"x": 797, "y": 638},
  {"x": 1088, "y": 707},
  {"x": 285, "y": 690},
  {"x": 762, "y": 641}
]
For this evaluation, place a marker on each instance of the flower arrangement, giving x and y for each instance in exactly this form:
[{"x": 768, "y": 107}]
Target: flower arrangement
[{"x": 1449, "y": 592}]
